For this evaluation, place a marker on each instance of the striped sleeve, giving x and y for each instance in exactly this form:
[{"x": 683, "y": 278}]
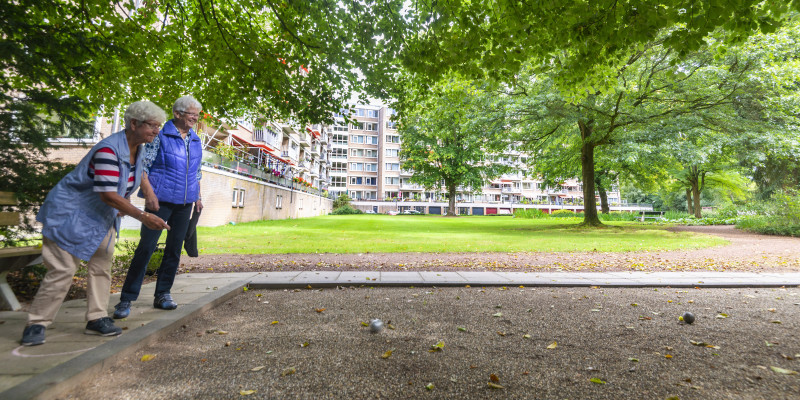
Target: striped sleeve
[{"x": 104, "y": 170}]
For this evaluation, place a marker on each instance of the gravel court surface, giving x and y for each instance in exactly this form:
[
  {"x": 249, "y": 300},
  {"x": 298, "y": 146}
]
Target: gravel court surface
[{"x": 618, "y": 336}]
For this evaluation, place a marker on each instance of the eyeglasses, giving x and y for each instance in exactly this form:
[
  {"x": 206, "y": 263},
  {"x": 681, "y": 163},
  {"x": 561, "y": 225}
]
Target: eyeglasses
[
  {"x": 188, "y": 114},
  {"x": 153, "y": 126}
]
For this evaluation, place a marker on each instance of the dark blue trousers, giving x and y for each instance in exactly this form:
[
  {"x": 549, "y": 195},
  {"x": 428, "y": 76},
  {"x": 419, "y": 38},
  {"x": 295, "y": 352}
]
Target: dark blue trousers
[{"x": 177, "y": 217}]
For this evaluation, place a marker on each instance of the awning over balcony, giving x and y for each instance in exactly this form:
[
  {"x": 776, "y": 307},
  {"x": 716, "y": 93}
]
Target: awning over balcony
[{"x": 265, "y": 149}]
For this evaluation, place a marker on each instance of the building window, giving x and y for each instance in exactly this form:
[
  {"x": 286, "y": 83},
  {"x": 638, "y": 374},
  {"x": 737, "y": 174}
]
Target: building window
[
  {"x": 392, "y": 180},
  {"x": 392, "y": 139},
  {"x": 372, "y": 113},
  {"x": 371, "y": 167},
  {"x": 391, "y": 125},
  {"x": 392, "y": 152},
  {"x": 300, "y": 206},
  {"x": 356, "y": 180},
  {"x": 340, "y": 139},
  {"x": 339, "y": 128},
  {"x": 372, "y": 140},
  {"x": 371, "y": 181},
  {"x": 356, "y": 166},
  {"x": 371, "y": 153},
  {"x": 356, "y": 139},
  {"x": 339, "y": 152},
  {"x": 238, "y": 198},
  {"x": 393, "y": 166},
  {"x": 338, "y": 181},
  {"x": 279, "y": 201}
]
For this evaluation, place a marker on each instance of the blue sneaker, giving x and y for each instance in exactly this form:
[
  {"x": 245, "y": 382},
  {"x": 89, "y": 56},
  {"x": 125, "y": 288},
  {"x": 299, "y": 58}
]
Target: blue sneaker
[
  {"x": 33, "y": 335},
  {"x": 165, "y": 302},
  {"x": 103, "y": 327},
  {"x": 122, "y": 309}
]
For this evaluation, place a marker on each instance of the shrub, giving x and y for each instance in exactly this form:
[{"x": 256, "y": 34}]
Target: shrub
[
  {"x": 565, "y": 214},
  {"x": 346, "y": 210},
  {"x": 780, "y": 216},
  {"x": 530, "y": 213},
  {"x": 342, "y": 201},
  {"x": 619, "y": 216}
]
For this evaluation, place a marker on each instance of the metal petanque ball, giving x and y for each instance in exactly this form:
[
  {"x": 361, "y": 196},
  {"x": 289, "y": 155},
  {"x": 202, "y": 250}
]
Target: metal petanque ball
[
  {"x": 688, "y": 317},
  {"x": 375, "y": 325}
]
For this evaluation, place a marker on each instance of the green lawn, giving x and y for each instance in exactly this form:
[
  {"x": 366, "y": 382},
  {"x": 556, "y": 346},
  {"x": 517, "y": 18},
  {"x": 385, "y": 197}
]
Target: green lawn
[{"x": 410, "y": 233}]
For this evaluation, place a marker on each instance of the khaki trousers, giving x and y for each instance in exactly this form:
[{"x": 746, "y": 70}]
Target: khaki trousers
[{"x": 61, "y": 267}]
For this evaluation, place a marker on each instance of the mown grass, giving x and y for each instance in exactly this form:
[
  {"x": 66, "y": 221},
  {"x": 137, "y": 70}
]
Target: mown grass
[{"x": 410, "y": 233}]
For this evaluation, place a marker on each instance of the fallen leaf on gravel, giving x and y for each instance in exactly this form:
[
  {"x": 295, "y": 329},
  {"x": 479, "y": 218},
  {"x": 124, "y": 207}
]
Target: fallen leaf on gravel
[
  {"x": 288, "y": 371},
  {"x": 784, "y": 371},
  {"x": 721, "y": 316},
  {"x": 462, "y": 329},
  {"x": 222, "y": 332},
  {"x": 501, "y": 333},
  {"x": 364, "y": 323},
  {"x": 597, "y": 381},
  {"x": 274, "y": 322},
  {"x": 390, "y": 326},
  {"x": 304, "y": 344},
  {"x": 148, "y": 357},
  {"x": 776, "y": 322},
  {"x": 668, "y": 356},
  {"x": 634, "y": 305},
  {"x": 387, "y": 354},
  {"x": 437, "y": 347},
  {"x": 594, "y": 310},
  {"x": 259, "y": 295},
  {"x": 259, "y": 368},
  {"x": 494, "y": 378},
  {"x": 633, "y": 359},
  {"x": 552, "y": 345},
  {"x": 643, "y": 318},
  {"x": 246, "y": 392},
  {"x": 772, "y": 310},
  {"x": 498, "y": 314},
  {"x": 494, "y": 386},
  {"x": 319, "y": 310},
  {"x": 429, "y": 386},
  {"x": 526, "y": 336},
  {"x": 703, "y": 344},
  {"x": 244, "y": 289},
  {"x": 770, "y": 344},
  {"x": 787, "y": 357}
]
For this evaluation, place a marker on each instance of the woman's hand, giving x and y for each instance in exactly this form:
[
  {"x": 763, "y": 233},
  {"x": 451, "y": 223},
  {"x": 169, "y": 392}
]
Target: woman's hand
[{"x": 152, "y": 221}]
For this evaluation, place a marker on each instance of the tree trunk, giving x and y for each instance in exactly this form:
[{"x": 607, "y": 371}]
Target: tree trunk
[
  {"x": 590, "y": 217},
  {"x": 689, "y": 204},
  {"x": 698, "y": 212},
  {"x": 604, "y": 208},
  {"x": 451, "y": 190}
]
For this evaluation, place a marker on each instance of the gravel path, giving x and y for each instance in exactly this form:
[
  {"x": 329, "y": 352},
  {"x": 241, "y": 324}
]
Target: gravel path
[
  {"x": 543, "y": 343},
  {"x": 746, "y": 252}
]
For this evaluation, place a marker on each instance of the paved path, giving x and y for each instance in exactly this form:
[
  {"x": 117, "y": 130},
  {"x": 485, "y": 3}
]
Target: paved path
[{"x": 69, "y": 357}]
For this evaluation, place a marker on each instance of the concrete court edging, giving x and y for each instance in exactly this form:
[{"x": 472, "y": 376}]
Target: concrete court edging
[{"x": 61, "y": 379}]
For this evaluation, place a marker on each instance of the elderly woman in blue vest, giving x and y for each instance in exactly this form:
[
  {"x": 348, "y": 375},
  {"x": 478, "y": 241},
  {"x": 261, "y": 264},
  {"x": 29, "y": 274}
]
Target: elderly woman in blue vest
[
  {"x": 80, "y": 218},
  {"x": 172, "y": 167}
]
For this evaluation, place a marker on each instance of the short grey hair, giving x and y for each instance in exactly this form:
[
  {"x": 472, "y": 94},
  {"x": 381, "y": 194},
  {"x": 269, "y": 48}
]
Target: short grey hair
[
  {"x": 144, "y": 111},
  {"x": 185, "y": 103}
]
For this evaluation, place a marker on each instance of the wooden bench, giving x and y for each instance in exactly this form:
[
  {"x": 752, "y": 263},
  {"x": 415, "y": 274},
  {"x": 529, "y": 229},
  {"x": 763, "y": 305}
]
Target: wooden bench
[
  {"x": 654, "y": 215},
  {"x": 13, "y": 258}
]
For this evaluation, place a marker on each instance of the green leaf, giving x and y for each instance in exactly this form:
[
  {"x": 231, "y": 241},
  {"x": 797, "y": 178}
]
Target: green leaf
[{"x": 597, "y": 381}]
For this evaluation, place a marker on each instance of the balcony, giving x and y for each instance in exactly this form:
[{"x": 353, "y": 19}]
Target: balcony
[{"x": 404, "y": 172}]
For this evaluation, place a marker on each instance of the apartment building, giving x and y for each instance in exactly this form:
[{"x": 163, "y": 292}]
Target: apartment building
[{"x": 366, "y": 165}]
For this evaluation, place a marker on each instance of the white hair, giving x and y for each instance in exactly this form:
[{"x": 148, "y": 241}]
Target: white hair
[
  {"x": 144, "y": 111},
  {"x": 185, "y": 103}
]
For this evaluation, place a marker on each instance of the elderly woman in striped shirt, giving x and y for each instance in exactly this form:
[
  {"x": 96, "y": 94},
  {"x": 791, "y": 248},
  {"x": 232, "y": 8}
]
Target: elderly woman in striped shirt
[{"x": 80, "y": 218}]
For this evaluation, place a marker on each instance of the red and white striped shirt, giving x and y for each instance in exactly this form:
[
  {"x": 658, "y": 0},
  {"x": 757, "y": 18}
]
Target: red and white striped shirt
[{"x": 104, "y": 169}]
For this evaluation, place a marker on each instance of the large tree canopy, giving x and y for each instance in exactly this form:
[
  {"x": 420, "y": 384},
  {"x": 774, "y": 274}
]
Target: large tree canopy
[
  {"x": 265, "y": 58},
  {"x": 584, "y": 40},
  {"x": 448, "y": 135}
]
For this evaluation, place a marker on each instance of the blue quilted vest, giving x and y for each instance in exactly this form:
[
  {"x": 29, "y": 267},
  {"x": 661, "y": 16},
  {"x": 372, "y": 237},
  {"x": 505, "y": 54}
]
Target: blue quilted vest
[
  {"x": 73, "y": 215},
  {"x": 173, "y": 174}
]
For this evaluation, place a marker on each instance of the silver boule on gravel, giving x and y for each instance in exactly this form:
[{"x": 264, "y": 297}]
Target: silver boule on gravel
[
  {"x": 375, "y": 325},
  {"x": 688, "y": 317}
]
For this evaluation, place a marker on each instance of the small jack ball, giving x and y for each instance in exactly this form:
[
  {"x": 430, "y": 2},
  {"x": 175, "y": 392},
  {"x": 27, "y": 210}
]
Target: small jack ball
[
  {"x": 688, "y": 317},
  {"x": 375, "y": 325}
]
